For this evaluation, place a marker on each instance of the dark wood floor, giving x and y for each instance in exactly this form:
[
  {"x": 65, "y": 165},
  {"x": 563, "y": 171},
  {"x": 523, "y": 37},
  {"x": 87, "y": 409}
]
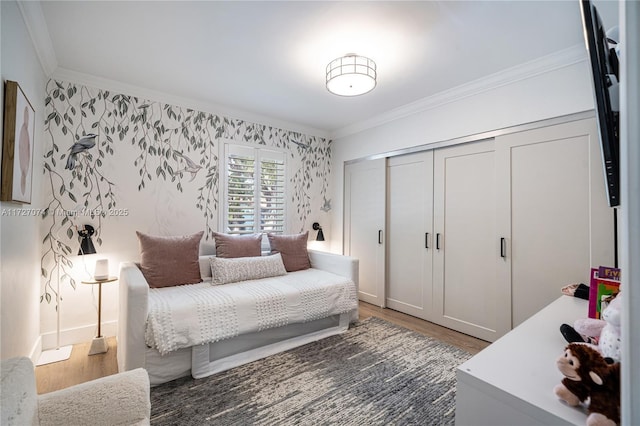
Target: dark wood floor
[{"x": 81, "y": 367}]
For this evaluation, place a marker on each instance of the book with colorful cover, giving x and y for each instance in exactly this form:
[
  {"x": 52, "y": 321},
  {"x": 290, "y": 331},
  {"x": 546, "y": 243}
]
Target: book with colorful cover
[
  {"x": 601, "y": 289},
  {"x": 593, "y": 291},
  {"x": 609, "y": 273}
]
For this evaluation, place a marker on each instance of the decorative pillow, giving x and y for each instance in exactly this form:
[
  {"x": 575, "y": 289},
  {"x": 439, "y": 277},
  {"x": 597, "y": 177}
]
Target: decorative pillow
[
  {"x": 225, "y": 270},
  {"x": 293, "y": 249},
  {"x": 237, "y": 245},
  {"x": 169, "y": 261}
]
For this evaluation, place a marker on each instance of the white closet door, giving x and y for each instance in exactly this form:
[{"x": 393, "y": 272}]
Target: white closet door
[
  {"x": 468, "y": 296},
  {"x": 410, "y": 234},
  {"x": 364, "y": 220},
  {"x": 554, "y": 204}
]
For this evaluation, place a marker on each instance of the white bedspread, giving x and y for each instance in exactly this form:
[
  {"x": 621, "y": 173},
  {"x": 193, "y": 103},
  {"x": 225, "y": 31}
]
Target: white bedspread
[{"x": 196, "y": 314}]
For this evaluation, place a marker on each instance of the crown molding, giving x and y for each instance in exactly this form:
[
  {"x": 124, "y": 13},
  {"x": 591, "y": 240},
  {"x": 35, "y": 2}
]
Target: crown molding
[
  {"x": 71, "y": 76},
  {"x": 37, "y": 27},
  {"x": 545, "y": 64}
]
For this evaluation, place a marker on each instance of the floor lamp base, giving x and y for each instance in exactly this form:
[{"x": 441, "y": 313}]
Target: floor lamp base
[
  {"x": 98, "y": 346},
  {"x": 55, "y": 355}
]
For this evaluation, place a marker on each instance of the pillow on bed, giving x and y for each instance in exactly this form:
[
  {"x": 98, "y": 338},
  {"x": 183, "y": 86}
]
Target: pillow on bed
[
  {"x": 237, "y": 245},
  {"x": 293, "y": 249},
  {"x": 225, "y": 270},
  {"x": 169, "y": 261}
]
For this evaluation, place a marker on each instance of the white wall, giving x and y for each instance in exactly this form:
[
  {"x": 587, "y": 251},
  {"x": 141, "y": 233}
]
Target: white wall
[
  {"x": 630, "y": 210},
  {"x": 20, "y": 235},
  {"x": 558, "y": 92}
]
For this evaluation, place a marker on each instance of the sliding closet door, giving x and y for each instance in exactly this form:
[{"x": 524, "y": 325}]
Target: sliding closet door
[
  {"x": 364, "y": 221},
  {"x": 468, "y": 296},
  {"x": 553, "y": 202},
  {"x": 410, "y": 234}
]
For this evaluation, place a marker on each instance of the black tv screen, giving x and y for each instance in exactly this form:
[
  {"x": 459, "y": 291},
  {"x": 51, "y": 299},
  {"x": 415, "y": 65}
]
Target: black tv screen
[{"x": 604, "y": 71}]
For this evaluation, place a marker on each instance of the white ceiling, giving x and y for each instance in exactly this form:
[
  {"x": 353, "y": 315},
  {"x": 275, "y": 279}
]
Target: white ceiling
[{"x": 268, "y": 58}]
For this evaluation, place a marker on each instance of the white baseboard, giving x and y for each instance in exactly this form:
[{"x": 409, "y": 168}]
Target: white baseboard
[
  {"x": 73, "y": 336},
  {"x": 34, "y": 355}
]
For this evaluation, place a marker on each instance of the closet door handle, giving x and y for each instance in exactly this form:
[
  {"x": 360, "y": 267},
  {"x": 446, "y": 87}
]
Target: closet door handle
[
  {"x": 426, "y": 240},
  {"x": 503, "y": 247},
  {"x": 438, "y": 241},
  {"x": 380, "y": 236}
]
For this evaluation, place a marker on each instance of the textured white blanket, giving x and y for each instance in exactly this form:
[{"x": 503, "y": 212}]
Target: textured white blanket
[{"x": 196, "y": 314}]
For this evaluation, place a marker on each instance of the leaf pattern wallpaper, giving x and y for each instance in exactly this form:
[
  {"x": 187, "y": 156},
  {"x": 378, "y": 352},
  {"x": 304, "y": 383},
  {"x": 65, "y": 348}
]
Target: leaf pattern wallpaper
[{"x": 122, "y": 163}]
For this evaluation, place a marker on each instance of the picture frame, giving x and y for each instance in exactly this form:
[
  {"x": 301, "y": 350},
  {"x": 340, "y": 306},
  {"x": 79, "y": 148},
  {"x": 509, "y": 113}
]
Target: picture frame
[{"x": 17, "y": 145}]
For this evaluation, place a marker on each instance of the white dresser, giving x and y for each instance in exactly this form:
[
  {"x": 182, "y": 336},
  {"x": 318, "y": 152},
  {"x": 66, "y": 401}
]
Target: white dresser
[{"x": 511, "y": 382}]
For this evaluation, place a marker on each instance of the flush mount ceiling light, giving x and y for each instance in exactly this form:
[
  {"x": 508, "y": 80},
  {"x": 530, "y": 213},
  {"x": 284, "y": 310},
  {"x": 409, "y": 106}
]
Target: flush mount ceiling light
[{"x": 351, "y": 75}]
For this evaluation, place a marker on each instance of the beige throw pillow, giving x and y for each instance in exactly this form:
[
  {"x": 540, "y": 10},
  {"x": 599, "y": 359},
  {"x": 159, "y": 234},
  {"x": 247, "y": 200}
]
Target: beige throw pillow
[
  {"x": 225, "y": 270},
  {"x": 237, "y": 245},
  {"x": 169, "y": 261},
  {"x": 293, "y": 249}
]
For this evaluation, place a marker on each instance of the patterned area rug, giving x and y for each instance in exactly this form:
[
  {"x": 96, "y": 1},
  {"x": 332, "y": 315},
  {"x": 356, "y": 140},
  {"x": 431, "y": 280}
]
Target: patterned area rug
[{"x": 377, "y": 373}]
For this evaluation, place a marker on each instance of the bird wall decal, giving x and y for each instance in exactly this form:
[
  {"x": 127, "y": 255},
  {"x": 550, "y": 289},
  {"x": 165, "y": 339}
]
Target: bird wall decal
[
  {"x": 189, "y": 166},
  {"x": 300, "y": 144},
  {"x": 326, "y": 205},
  {"x": 84, "y": 143}
]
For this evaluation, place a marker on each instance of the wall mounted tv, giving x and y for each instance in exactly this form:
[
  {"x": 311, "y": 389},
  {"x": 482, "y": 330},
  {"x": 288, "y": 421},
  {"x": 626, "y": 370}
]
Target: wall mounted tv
[{"x": 604, "y": 70}]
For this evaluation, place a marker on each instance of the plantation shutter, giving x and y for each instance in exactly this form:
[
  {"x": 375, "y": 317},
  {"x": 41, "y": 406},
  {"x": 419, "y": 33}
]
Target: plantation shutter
[
  {"x": 254, "y": 190},
  {"x": 241, "y": 217},
  {"x": 271, "y": 192}
]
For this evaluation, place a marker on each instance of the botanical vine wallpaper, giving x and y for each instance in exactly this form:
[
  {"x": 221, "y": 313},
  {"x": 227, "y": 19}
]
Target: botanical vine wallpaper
[{"x": 121, "y": 163}]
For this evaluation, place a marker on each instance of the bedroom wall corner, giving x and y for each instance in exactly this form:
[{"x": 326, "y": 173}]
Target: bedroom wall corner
[{"x": 20, "y": 243}]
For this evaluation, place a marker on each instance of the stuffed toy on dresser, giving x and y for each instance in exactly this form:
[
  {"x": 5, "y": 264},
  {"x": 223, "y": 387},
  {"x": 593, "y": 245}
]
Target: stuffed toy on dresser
[{"x": 588, "y": 376}]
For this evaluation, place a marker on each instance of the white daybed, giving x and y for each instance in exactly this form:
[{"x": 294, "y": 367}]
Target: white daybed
[{"x": 323, "y": 305}]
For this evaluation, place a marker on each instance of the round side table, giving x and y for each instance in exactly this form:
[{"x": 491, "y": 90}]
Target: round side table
[{"x": 99, "y": 343}]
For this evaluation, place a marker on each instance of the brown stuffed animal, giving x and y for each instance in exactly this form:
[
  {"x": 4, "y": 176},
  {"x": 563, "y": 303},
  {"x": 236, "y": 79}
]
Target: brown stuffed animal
[{"x": 587, "y": 375}]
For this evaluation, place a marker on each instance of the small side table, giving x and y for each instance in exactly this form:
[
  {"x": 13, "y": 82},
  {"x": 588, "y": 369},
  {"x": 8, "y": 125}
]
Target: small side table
[{"x": 99, "y": 344}]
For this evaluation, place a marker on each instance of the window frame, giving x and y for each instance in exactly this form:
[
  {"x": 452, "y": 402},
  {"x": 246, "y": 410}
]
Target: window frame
[{"x": 258, "y": 153}]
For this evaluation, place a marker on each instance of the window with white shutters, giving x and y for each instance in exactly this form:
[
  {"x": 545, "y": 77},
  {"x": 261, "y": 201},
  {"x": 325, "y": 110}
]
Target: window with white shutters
[{"x": 254, "y": 190}]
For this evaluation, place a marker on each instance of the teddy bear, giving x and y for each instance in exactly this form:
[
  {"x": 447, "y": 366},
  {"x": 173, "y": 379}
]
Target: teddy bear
[
  {"x": 587, "y": 375},
  {"x": 603, "y": 333}
]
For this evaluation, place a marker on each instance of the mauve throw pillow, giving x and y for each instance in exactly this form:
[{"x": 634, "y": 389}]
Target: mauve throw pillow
[
  {"x": 237, "y": 245},
  {"x": 293, "y": 249},
  {"x": 169, "y": 261}
]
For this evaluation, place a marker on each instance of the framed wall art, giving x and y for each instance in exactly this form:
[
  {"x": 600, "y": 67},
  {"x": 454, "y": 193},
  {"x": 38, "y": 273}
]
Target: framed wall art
[{"x": 17, "y": 145}]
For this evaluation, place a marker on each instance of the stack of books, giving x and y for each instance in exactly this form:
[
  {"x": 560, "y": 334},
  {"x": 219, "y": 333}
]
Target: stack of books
[{"x": 604, "y": 286}]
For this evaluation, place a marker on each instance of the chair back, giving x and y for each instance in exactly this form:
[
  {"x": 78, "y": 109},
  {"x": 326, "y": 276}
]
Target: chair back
[{"x": 18, "y": 396}]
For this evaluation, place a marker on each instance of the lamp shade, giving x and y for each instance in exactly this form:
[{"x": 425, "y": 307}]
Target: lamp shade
[
  {"x": 102, "y": 270},
  {"x": 316, "y": 227},
  {"x": 86, "y": 245},
  {"x": 351, "y": 75}
]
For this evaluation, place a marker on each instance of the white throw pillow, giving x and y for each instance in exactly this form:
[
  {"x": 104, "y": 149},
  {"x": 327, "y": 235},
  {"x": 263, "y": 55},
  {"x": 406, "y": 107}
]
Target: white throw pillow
[{"x": 232, "y": 270}]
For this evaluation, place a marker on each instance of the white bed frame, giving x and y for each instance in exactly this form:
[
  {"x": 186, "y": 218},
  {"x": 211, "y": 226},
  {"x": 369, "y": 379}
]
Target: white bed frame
[{"x": 203, "y": 360}]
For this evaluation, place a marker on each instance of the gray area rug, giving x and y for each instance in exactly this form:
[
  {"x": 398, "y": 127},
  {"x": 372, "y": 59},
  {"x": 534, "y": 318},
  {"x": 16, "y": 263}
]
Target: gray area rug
[{"x": 376, "y": 373}]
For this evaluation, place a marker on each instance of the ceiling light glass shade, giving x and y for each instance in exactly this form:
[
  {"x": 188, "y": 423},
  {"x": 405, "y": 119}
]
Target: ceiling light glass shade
[{"x": 351, "y": 75}]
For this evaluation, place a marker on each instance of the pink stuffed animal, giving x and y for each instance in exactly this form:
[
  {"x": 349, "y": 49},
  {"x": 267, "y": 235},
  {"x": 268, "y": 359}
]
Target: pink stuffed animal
[{"x": 605, "y": 331}]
